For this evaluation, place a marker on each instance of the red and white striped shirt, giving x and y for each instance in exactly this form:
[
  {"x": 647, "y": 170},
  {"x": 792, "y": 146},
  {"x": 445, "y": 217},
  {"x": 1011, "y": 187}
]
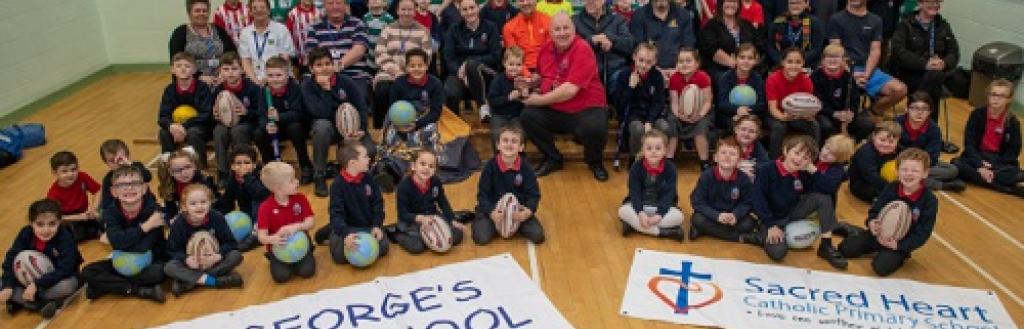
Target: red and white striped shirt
[
  {"x": 299, "y": 21},
  {"x": 232, "y": 18}
]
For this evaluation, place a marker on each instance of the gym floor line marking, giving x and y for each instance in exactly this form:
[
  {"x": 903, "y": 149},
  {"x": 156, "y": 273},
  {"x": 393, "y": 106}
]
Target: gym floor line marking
[
  {"x": 534, "y": 270},
  {"x": 983, "y": 220},
  {"x": 980, "y": 270}
]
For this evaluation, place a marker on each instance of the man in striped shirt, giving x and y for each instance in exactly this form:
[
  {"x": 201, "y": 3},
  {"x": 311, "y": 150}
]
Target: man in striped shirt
[
  {"x": 300, "y": 19},
  {"x": 232, "y": 16},
  {"x": 345, "y": 38}
]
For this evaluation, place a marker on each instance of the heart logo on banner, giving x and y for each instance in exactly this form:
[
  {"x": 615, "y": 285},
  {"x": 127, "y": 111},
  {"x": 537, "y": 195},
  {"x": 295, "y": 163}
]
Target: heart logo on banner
[{"x": 692, "y": 288}]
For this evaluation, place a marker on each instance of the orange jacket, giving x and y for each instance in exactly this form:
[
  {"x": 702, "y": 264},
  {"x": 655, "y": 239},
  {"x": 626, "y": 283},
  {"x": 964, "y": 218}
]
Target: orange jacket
[{"x": 529, "y": 33}]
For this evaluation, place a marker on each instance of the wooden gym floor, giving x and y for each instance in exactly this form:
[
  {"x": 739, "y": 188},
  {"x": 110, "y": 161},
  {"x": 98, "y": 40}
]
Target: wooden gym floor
[{"x": 582, "y": 267}]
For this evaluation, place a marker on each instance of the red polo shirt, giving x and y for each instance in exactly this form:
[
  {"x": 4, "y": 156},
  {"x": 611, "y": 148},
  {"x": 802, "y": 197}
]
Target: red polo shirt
[
  {"x": 994, "y": 128},
  {"x": 677, "y": 81},
  {"x": 577, "y": 66},
  {"x": 777, "y": 87},
  {"x": 74, "y": 199},
  {"x": 272, "y": 216}
]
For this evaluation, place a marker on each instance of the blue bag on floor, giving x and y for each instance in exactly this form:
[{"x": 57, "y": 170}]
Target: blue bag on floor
[{"x": 32, "y": 134}]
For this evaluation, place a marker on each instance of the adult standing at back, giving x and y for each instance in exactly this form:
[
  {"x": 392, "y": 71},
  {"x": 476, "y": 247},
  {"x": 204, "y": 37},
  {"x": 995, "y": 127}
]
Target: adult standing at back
[
  {"x": 571, "y": 100},
  {"x": 608, "y": 35},
  {"x": 923, "y": 50},
  {"x": 498, "y": 12},
  {"x": 860, "y": 32},
  {"x": 796, "y": 28},
  {"x": 232, "y": 16},
  {"x": 472, "y": 51},
  {"x": 723, "y": 35},
  {"x": 529, "y": 31},
  {"x": 344, "y": 36},
  {"x": 262, "y": 40},
  {"x": 205, "y": 41},
  {"x": 668, "y": 26}
]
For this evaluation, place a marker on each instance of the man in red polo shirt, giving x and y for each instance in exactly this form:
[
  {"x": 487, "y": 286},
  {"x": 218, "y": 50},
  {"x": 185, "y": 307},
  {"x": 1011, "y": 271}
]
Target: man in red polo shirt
[{"x": 571, "y": 100}]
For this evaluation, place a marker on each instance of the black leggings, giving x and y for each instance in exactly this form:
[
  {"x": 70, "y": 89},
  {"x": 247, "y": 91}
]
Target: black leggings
[
  {"x": 712, "y": 227},
  {"x": 885, "y": 262},
  {"x": 102, "y": 278},
  {"x": 478, "y": 76}
]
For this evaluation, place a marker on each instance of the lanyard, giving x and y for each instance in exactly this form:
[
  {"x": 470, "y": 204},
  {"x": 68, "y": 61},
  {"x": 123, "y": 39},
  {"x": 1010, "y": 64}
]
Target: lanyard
[
  {"x": 931, "y": 39},
  {"x": 793, "y": 34},
  {"x": 261, "y": 47}
]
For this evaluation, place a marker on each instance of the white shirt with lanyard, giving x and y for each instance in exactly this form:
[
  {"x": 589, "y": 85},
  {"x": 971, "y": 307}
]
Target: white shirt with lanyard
[{"x": 275, "y": 40}]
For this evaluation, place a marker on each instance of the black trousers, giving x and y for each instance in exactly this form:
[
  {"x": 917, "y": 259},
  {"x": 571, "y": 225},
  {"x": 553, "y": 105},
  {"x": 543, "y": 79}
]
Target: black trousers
[
  {"x": 777, "y": 131},
  {"x": 1005, "y": 179},
  {"x": 484, "y": 230},
  {"x": 297, "y": 132},
  {"x": 282, "y": 272},
  {"x": 102, "y": 277},
  {"x": 930, "y": 82},
  {"x": 381, "y": 102},
  {"x": 885, "y": 262},
  {"x": 194, "y": 136},
  {"x": 711, "y": 226},
  {"x": 589, "y": 126},
  {"x": 478, "y": 76},
  {"x": 408, "y": 237}
]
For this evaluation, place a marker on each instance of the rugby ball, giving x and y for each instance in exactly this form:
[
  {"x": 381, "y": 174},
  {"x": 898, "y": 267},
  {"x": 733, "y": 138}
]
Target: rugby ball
[
  {"x": 894, "y": 220},
  {"x": 507, "y": 225},
  {"x": 202, "y": 245},
  {"x": 690, "y": 100},
  {"x": 30, "y": 265},
  {"x": 224, "y": 108},
  {"x": 347, "y": 120},
  {"x": 801, "y": 104},
  {"x": 437, "y": 234},
  {"x": 801, "y": 234}
]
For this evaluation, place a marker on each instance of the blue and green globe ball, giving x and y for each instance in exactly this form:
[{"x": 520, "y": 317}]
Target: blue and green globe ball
[
  {"x": 742, "y": 95},
  {"x": 293, "y": 250},
  {"x": 130, "y": 263},
  {"x": 402, "y": 113},
  {"x": 239, "y": 223},
  {"x": 365, "y": 253}
]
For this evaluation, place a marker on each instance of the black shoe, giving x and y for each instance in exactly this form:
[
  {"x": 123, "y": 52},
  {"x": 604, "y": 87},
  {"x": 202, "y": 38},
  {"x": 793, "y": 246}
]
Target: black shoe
[
  {"x": 950, "y": 148},
  {"x": 845, "y": 229},
  {"x": 320, "y": 184},
  {"x": 954, "y": 186},
  {"x": 834, "y": 258},
  {"x": 49, "y": 308},
  {"x": 600, "y": 174},
  {"x": 306, "y": 176},
  {"x": 693, "y": 234},
  {"x": 550, "y": 166},
  {"x": 464, "y": 216},
  {"x": 179, "y": 287},
  {"x": 232, "y": 280},
  {"x": 153, "y": 293},
  {"x": 753, "y": 238},
  {"x": 674, "y": 233},
  {"x": 391, "y": 231},
  {"x": 13, "y": 308},
  {"x": 626, "y": 228},
  {"x": 322, "y": 235},
  {"x": 91, "y": 293}
]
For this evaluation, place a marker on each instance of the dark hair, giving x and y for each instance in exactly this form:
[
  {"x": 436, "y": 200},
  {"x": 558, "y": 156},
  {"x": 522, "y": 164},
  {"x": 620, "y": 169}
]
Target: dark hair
[
  {"x": 125, "y": 170},
  {"x": 190, "y": 3},
  {"x": 347, "y": 152},
  {"x": 515, "y": 129},
  {"x": 920, "y": 96},
  {"x": 719, "y": 13},
  {"x": 801, "y": 142},
  {"x": 62, "y": 158},
  {"x": 245, "y": 150},
  {"x": 183, "y": 56},
  {"x": 112, "y": 146},
  {"x": 745, "y": 47},
  {"x": 277, "y": 62},
  {"x": 417, "y": 52},
  {"x": 316, "y": 54},
  {"x": 792, "y": 50},
  {"x": 230, "y": 57},
  {"x": 43, "y": 206}
]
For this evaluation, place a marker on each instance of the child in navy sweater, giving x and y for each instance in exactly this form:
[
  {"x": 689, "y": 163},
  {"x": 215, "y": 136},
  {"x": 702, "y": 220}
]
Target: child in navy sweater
[
  {"x": 725, "y": 112},
  {"x": 245, "y": 189},
  {"x": 356, "y": 205},
  {"x": 920, "y": 131},
  {"x": 286, "y": 212},
  {"x": 747, "y": 129},
  {"x": 865, "y": 168},
  {"x": 424, "y": 91},
  {"x": 639, "y": 96},
  {"x": 255, "y": 106},
  {"x": 72, "y": 188},
  {"x": 323, "y": 93},
  {"x": 508, "y": 172},
  {"x": 426, "y": 94},
  {"x": 134, "y": 224},
  {"x": 830, "y": 170},
  {"x": 179, "y": 170},
  {"x": 505, "y": 100},
  {"x": 44, "y": 234},
  {"x": 184, "y": 91},
  {"x": 721, "y": 199},
  {"x": 115, "y": 154},
  {"x": 650, "y": 207},
  {"x": 891, "y": 253},
  {"x": 840, "y": 98},
  {"x": 782, "y": 195},
  {"x": 421, "y": 195},
  {"x": 992, "y": 144},
  {"x": 285, "y": 115},
  {"x": 215, "y": 270}
]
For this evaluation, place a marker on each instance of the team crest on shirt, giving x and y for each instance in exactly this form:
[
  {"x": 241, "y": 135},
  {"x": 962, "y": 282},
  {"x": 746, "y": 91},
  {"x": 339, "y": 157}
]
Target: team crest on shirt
[
  {"x": 342, "y": 94},
  {"x": 838, "y": 93},
  {"x": 518, "y": 180},
  {"x": 245, "y": 101},
  {"x": 369, "y": 191},
  {"x": 734, "y": 194},
  {"x": 673, "y": 23},
  {"x": 296, "y": 209},
  {"x": 270, "y": 41},
  {"x": 798, "y": 186},
  {"x": 435, "y": 191},
  {"x": 483, "y": 38},
  {"x": 424, "y": 97},
  {"x": 914, "y": 214},
  {"x": 335, "y": 53}
]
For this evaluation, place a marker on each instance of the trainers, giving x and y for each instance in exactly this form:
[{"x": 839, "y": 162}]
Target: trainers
[
  {"x": 49, "y": 308},
  {"x": 753, "y": 238},
  {"x": 674, "y": 233},
  {"x": 179, "y": 287},
  {"x": 153, "y": 293},
  {"x": 232, "y": 280},
  {"x": 834, "y": 258},
  {"x": 626, "y": 228}
]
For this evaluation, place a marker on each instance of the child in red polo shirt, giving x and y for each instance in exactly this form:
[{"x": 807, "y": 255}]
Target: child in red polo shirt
[
  {"x": 789, "y": 79},
  {"x": 992, "y": 144},
  {"x": 287, "y": 211},
  {"x": 71, "y": 189}
]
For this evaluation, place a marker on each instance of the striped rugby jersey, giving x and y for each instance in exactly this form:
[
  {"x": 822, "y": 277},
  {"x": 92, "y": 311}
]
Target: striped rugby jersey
[
  {"x": 339, "y": 40},
  {"x": 232, "y": 18},
  {"x": 300, "y": 19}
]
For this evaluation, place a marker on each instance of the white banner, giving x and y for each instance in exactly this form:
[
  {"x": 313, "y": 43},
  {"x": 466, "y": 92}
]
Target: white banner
[
  {"x": 491, "y": 292},
  {"x": 735, "y": 294}
]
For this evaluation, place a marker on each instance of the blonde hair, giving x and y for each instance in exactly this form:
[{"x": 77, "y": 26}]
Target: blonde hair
[
  {"x": 841, "y": 146},
  {"x": 888, "y": 127},
  {"x": 274, "y": 173},
  {"x": 513, "y": 52},
  {"x": 834, "y": 50},
  {"x": 1001, "y": 83}
]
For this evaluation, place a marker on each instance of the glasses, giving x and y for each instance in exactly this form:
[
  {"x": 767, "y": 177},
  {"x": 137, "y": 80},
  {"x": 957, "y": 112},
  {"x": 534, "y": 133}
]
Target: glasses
[
  {"x": 132, "y": 184},
  {"x": 998, "y": 95},
  {"x": 180, "y": 170}
]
